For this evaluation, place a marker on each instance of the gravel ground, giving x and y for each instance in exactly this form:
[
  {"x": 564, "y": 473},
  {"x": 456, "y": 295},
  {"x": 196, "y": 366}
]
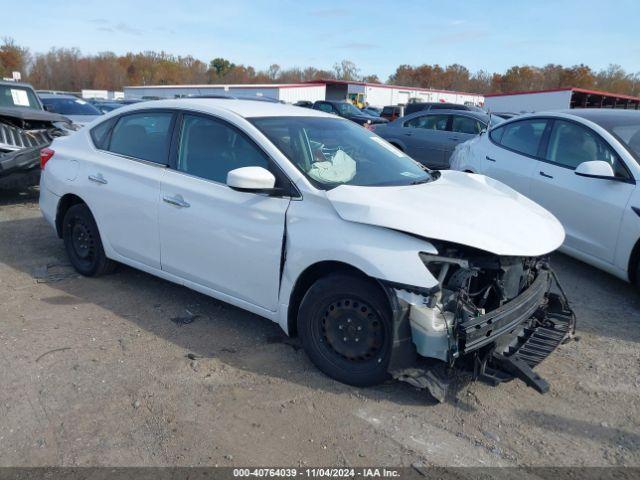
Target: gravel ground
[{"x": 95, "y": 372}]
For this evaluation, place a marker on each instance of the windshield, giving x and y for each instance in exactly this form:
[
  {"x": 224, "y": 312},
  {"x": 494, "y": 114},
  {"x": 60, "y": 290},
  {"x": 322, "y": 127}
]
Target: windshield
[
  {"x": 70, "y": 106},
  {"x": 332, "y": 152},
  {"x": 348, "y": 109},
  {"x": 20, "y": 97}
]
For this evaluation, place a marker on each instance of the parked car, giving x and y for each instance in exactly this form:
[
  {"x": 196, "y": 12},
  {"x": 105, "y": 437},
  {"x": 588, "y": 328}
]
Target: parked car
[
  {"x": 106, "y": 106},
  {"x": 580, "y": 164},
  {"x": 430, "y": 136},
  {"x": 391, "y": 112},
  {"x": 304, "y": 103},
  {"x": 505, "y": 115},
  {"x": 78, "y": 110},
  {"x": 348, "y": 111},
  {"x": 414, "y": 107},
  {"x": 319, "y": 225},
  {"x": 25, "y": 128},
  {"x": 375, "y": 111}
]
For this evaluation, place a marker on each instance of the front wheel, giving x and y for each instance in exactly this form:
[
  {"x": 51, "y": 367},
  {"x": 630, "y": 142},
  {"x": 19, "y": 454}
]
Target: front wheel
[
  {"x": 345, "y": 326},
  {"x": 83, "y": 244}
]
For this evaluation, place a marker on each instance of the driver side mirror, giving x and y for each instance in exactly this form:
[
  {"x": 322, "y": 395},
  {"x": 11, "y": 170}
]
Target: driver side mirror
[
  {"x": 595, "y": 169},
  {"x": 251, "y": 179}
]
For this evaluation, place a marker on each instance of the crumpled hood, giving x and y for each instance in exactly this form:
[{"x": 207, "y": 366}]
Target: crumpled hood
[
  {"x": 462, "y": 208},
  {"x": 32, "y": 114}
]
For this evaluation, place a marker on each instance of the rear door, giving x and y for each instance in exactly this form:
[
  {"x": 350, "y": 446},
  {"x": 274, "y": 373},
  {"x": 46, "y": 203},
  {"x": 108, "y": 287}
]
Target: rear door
[
  {"x": 122, "y": 181},
  {"x": 513, "y": 151},
  {"x": 590, "y": 209},
  {"x": 212, "y": 235},
  {"x": 425, "y": 137}
]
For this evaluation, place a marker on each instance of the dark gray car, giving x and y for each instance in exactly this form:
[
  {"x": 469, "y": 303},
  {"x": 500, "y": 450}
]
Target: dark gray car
[{"x": 430, "y": 136}]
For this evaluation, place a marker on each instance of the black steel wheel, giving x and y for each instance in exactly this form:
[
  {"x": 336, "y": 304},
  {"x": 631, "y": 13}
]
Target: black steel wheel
[
  {"x": 345, "y": 326},
  {"x": 83, "y": 244}
]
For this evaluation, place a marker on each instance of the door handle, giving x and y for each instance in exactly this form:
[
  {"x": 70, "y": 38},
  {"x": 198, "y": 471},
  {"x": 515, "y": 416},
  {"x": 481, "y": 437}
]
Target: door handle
[
  {"x": 545, "y": 175},
  {"x": 489, "y": 158},
  {"x": 178, "y": 201},
  {"x": 98, "y": 179}
]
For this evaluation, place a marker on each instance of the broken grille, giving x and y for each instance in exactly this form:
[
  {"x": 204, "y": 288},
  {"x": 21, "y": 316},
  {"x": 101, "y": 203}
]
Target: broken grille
[{"x": 14, "y": 138}]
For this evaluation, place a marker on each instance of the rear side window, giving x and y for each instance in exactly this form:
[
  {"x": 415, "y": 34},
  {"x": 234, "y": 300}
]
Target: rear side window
[
  {"x": 428, "y": 122},
  {"x": 522, "y": 137},
  {"x": 210, "y": 149},
  {"x": 325, "y": 107},
  {"x": 143, "y": 135},
  {"x": 100, "y": 133}
]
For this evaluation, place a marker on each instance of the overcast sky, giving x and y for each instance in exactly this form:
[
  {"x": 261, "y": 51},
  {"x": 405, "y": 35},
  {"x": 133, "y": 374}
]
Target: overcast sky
[{"x": 377, "y": 35}]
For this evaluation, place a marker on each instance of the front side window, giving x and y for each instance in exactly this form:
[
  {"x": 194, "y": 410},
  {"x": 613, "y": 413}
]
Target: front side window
[
  {"x": 143, "y": 135},
  {"x": 332, "y": 152},
  {"x": 571, "y": 144},
  {"x": 428, "y": 122},
  {"x": 462, "y": 124},
  {"x": 523, "y": 136},
  {"x": 210, "y": 149}
]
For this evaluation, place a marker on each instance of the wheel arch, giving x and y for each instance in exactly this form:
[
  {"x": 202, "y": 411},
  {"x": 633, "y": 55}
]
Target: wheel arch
[
  {"x": 65, "y": 203},
  {"x": 634, "y": 261},
  {"x": 309, "y": 276}
]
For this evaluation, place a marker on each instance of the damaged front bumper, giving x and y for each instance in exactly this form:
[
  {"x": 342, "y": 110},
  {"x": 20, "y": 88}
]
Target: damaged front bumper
[{"x": 506, "y": 343}]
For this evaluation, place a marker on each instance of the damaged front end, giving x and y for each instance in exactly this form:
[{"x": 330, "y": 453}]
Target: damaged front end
[
  {"x": 22, "y": 135},
  {"x": 496, "y": 317}
]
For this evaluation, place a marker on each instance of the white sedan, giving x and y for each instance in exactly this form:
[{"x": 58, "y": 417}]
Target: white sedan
[
  {"x": 583, "y": 166},
  {"x": 315, "y": 223}
]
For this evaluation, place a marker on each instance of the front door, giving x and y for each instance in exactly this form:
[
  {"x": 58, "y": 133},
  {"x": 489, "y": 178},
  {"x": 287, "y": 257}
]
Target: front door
[
  {"x": 590, "y": 209},
  {"x": 210, "y": 234}
]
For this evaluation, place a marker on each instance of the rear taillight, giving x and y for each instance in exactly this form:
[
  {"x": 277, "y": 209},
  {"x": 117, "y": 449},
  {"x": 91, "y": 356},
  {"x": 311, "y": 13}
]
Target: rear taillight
[{"x": 45, "y": 156}]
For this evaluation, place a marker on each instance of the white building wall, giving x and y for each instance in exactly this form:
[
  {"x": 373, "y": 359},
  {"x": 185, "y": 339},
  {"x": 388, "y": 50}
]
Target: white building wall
[
  {"x": 382, "y": 96},
  {"x": 294, "y": 94},
  {"x": 529, "y": 102}
]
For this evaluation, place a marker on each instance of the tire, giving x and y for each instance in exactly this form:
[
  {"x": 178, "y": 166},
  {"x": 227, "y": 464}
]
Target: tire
[
  {"x": 638, "y": 275},
  {"x": 345, "y": 326},
  {"x": 83, "y": 244}
]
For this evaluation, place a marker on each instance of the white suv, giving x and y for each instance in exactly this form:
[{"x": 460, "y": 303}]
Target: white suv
[{"x": 316, "y": 223}]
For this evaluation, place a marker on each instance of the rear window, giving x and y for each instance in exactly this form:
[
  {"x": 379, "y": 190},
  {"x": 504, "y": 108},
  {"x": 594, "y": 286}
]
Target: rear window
[{"x": 18, "y": 97}]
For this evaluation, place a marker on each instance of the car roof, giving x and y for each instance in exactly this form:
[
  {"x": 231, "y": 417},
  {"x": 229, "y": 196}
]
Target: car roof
[
  {"x": 602, "y": 114},
  {"x": 243, "y": 108},
  {"x": 56, "y": 95},
  {"x": 444, "y": 111},
  {"x": 11, "y": 83}
]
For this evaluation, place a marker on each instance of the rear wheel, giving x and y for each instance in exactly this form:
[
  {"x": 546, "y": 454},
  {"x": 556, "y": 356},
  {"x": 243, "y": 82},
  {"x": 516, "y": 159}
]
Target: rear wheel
[
  {"x": 638, "y": 274},
  {"x": 83, "y": 244},
  {"x": 345, "y": 327}
]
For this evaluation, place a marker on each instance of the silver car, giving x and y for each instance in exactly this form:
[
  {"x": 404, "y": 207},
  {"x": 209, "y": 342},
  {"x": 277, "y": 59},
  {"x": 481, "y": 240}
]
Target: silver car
[{"x": 430, "y": 136}]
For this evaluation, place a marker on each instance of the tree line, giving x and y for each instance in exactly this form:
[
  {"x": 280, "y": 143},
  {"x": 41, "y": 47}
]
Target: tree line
[{"x": 68, "y": 69}]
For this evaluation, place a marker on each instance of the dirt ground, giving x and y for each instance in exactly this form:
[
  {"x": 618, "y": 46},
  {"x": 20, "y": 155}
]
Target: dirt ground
[{"x": 95, "y": 372}]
